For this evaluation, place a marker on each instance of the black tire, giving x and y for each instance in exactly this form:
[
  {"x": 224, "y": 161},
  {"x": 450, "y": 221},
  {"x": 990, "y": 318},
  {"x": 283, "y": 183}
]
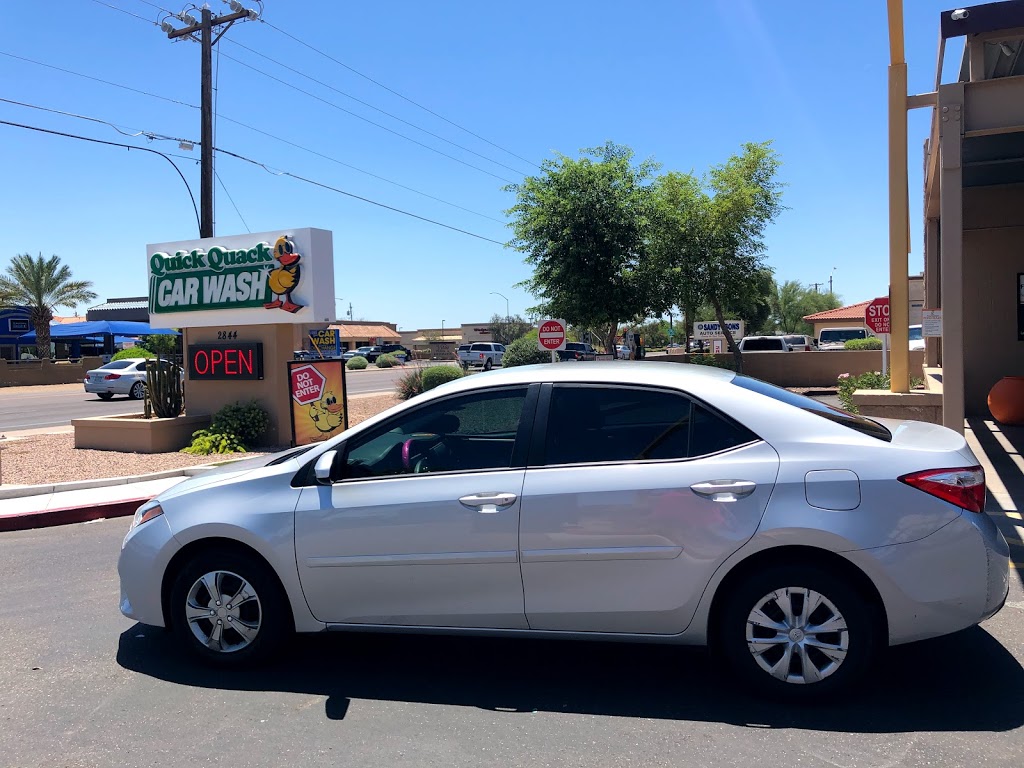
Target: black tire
[
  {"x": 864, "y": 634},
  {"x": 271, "y": 612},
  {"x": 105, "y": 395},
  {"x": 488, "y": 364},
  {"x": 138, "y": 391}
]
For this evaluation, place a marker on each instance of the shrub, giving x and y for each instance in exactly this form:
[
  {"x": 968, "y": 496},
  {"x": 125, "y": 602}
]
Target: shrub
[
  {"x": 711, "y": 360},
  {"x": 356, "y": 363},
  {"x": 871, "y": 342},
  {"x": 436, "y": 375},
  {"x": 386, "y": 361},
  {"x": 206, "y": 441},
  {"x": 410, "y": 385},
  {"x": 131, "y": 352},
  {"x": 849, "y": 384},
  {"x": 524, "y": 351},
  {"x": 245, "y": 421}
]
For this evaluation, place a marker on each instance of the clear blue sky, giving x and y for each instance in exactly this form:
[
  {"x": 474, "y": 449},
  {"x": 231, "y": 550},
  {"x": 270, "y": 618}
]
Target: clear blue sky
[{"x": 686, "y": 83}]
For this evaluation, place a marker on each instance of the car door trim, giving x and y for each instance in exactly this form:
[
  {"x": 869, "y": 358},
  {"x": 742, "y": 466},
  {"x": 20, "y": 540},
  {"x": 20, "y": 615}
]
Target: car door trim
[
  {"x": 425, "y": 558},
  {"x": 600, "y": 553}
]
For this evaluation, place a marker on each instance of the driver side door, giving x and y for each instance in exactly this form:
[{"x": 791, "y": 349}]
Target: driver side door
[{"x": 421, "y": 525}]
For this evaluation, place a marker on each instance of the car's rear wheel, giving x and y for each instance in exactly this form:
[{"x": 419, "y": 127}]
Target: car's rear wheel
[
  {"x": 488, "y": 364},
  {"x": 137, "y": 391},
  {"x": 798, "y": 632},
  {"x": 228, "y": 608},
  {"x": 104, "y": 395}
]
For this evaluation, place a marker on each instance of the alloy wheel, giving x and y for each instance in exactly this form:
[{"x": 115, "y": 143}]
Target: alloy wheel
[
  {"x": 797, "y": 635},
  {"x": 223, "y": 611}
]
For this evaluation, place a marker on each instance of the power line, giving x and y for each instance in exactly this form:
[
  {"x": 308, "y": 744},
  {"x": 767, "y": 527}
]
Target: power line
[
  {"x": 366, "y": 119},
  {"x": 161, "y": 137},
  {"x": 99, "y": 80},
  {"x": 368, "y": 104},
  {"x": 233, "y": 204},
  {"x": 129, "y": 147},
  {"x": 129, "y": 13},
  {"x": 269, "y": 170},
  {"x": 396, "y": 93},
  {"x": 115, "y": 126}
]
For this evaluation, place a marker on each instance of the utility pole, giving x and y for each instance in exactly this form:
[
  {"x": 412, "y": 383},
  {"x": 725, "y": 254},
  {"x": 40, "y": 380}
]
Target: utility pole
[
  {"x": 205, "y": 28},
  {"x": 815, "y": 285}
]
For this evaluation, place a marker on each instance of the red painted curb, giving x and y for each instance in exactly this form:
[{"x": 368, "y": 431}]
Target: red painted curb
[{"x": 66, "y": 516}]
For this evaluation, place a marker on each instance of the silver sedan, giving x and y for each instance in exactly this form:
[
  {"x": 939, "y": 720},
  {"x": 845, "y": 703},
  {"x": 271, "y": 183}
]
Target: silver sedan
[
  {"x": 650, "y": 502},
  {"x": 121, "y": 377}
]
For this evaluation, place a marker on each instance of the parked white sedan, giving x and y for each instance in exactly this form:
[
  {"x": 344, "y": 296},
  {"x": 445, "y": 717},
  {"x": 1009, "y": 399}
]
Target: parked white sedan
[
  {"x": 121, "y": 377},
  {"x": 656, "y": 503}
]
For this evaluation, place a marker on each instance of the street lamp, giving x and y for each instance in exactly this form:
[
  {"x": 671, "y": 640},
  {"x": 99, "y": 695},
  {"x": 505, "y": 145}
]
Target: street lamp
[{"x": 507, "y": 313}]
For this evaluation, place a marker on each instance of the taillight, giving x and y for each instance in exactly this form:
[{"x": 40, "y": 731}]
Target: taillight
[
  {"x": 112, "y": 376},
  {"x": 963, "y": 486},
  {"x": 481, "y": 355}
]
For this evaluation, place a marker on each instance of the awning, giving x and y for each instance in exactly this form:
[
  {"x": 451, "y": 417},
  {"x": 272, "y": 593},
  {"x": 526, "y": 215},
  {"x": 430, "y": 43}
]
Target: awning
[{"x": 98, "y": 328}]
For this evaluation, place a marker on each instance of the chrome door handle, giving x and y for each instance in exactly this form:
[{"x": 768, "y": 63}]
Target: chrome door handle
[
  {"x": 724, "y": 490},
  {"x": 488, "y": 503}
]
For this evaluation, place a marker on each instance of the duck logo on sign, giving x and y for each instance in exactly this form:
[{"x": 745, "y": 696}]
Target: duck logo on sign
[{"x": 220, "y": 278}]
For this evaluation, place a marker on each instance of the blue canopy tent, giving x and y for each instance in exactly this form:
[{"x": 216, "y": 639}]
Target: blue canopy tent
[{"x": 108, "y": 330}]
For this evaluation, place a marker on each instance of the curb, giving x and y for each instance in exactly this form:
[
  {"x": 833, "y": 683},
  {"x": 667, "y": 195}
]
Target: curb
[
  {"x": 105, "y": 482},
  {"x": 69, "y": 515}
]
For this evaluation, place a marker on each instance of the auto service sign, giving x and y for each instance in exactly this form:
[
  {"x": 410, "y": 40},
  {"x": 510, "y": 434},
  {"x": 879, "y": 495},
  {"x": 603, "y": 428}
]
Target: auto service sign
[
  {"x": 876, "y": 315},
  {"x": 283, "y": 276},
  {"x": 711, "y": 328},
  {"x": 551, "y": 335}
]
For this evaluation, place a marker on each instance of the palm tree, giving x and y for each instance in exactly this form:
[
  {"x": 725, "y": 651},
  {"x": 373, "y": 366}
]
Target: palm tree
[{"x": 42, "y": 285}]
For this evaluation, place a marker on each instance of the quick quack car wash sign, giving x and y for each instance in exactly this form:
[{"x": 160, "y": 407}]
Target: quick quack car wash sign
[{"x": 286, "y": 276}]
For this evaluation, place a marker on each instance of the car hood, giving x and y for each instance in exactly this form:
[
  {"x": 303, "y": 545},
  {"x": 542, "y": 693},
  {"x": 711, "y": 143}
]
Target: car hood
[{"x": 226, "y": 472}]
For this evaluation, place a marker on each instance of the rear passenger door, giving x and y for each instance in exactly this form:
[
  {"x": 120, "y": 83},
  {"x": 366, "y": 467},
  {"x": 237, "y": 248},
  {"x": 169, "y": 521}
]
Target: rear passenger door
[{"x": 632, "y": 498}]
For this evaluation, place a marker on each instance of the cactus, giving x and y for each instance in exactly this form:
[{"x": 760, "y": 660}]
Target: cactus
[{"x": 164, "y": 387}]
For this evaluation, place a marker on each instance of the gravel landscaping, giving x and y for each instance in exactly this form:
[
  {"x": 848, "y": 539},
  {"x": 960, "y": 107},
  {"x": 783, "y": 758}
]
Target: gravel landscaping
[{"x": 43, "y": 459}]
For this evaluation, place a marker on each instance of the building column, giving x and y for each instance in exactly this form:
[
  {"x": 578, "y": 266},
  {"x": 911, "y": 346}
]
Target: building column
[
  {"x": 951, "y": 250},
  {"x": 932, "y": 284}
]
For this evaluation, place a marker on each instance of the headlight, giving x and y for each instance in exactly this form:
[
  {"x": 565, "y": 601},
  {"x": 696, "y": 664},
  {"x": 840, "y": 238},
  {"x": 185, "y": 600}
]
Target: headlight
[{"x": 145, "y": 513}]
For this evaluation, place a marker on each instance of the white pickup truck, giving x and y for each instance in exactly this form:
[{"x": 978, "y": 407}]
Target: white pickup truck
[{"x": 483, "y": 354}]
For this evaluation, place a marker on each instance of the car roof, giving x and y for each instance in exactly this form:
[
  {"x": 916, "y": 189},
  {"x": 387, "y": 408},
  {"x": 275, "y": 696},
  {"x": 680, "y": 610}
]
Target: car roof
[{"x": 652, "y": 373}]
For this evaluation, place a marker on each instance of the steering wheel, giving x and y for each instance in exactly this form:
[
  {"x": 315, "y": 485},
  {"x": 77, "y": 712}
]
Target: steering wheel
[{"x": 421, "y": 462}]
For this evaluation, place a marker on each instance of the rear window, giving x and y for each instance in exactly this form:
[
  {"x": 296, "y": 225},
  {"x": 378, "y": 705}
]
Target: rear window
[
  {"x": 763, "y": 345},
  {"x": 858, "y": 423},
  {"x": 843, "y": 335},
  {"x": 481, "y": 348},
  {"x": 796, "y": 340},
  {"x": 119, "y": 364}
]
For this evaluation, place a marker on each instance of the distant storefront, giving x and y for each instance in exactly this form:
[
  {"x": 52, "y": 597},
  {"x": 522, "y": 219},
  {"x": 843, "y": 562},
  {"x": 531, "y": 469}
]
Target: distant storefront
[{"x": 14, "y": 321}]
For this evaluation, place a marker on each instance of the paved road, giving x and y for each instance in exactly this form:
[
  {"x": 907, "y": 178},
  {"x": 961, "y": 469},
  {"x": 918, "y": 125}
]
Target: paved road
[
  {"x": 57, "y": 405},
  {"x": 84, "y": 687}
]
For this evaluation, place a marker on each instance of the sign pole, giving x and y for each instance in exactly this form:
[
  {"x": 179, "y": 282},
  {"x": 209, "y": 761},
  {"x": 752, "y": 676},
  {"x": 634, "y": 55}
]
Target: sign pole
[{"x": 885, "y": 352}]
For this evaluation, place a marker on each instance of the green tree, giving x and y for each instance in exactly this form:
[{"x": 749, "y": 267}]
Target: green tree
[
  {"x": 717, "y": 227},
  {"x": 505, "y": 330},
  {"x": 163, "y": 344},
  {"x": 791, "y": 302},
  {"x": 42, "y": 285},
  {"x": 583, "y": 226}
]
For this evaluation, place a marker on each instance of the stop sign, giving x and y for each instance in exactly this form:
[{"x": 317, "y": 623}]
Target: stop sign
[
  {"x": 551, "y": 335},
  {"x": 876, "y": 316},
  {"x": 307, "y": 384}
]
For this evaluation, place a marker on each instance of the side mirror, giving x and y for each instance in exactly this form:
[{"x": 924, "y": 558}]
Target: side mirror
[{"x": 323, "y": 467}]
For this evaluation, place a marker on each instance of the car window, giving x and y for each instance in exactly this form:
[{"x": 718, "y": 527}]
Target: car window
[
  {"x": 859, "y": 423},
  {"x": 762, "y": 345},
  {"x": 795, "y": 340},
  {"x": 118, "y": 365},
  {"x": 843, "y": 335},
  {"x": 916, "y": 333},
  {"x": 711, "y": 433},
  {"x": 459, "y": 434},
  {"x": 599, "y": 424}
]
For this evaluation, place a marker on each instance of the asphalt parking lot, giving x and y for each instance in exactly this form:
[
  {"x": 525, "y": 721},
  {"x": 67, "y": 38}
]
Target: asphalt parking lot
[{"x": 82, "y": 686}]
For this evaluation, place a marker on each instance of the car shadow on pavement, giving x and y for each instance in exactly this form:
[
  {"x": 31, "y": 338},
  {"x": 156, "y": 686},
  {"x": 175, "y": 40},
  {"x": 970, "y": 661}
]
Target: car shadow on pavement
[
  {"x": 963, "y": 682},
  {"x": 1004, "y": 446}
]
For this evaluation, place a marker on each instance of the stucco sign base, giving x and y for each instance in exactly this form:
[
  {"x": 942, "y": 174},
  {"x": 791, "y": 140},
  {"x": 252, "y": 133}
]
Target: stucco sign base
[{"x": 131, "y": 433}]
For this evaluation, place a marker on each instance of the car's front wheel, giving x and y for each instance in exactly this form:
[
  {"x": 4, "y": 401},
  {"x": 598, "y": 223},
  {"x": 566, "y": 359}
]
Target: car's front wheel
[
  {"x": 228, "y": 608},
  {"x": 138, "y": 391},
  {"x": 798, "y": 632}
]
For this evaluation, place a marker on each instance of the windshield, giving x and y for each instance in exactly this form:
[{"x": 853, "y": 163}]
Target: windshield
[
  {"x": 843, "y": 334},
  {"x": 915, "y": 333},
  {"x": 857, "y": 423}
]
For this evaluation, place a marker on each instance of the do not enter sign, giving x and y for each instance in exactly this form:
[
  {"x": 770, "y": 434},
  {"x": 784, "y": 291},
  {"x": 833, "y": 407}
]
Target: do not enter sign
[
  {"x": 551, "y": 335},
  {"x": 307, "y": 384},
  {"x": 876, "y": 316}
]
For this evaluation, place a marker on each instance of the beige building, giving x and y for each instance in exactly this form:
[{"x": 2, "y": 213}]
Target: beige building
[
  {"x": 444, "y": 341},
  {"x": 974, "y": 208}
]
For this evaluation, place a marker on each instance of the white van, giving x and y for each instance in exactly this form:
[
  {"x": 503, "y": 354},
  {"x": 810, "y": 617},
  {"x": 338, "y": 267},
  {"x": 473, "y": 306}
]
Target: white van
[{"x": 836, "y": 338}]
